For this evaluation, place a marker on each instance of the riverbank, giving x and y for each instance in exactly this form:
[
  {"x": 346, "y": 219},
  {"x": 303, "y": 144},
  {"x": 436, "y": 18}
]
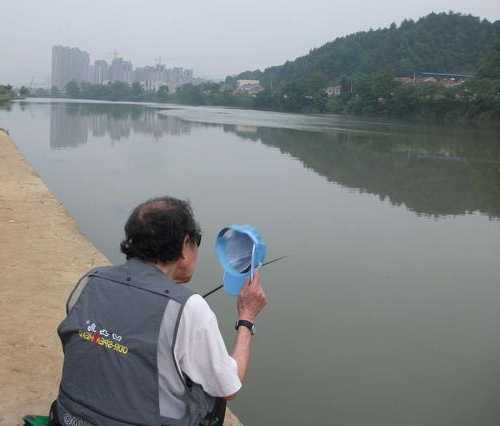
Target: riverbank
[{"x": 43, "y": 254}]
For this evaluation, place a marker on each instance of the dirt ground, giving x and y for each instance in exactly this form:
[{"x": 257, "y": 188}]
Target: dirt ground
[{"x": 42, "y": 254}]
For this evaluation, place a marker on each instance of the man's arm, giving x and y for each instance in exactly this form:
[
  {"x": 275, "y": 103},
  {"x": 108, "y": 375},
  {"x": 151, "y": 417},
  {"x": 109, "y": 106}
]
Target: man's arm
[
  {"x": 200, "y": 349},
  {"x": 251, "y": 301},
  {"x": 201, "y": 352}
]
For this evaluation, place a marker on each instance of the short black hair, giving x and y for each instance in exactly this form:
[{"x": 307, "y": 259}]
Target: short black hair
[{"x": 156, "y": 229}]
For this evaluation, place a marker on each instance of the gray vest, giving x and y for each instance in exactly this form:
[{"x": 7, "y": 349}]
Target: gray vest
[{"x": 111, "y": 351}]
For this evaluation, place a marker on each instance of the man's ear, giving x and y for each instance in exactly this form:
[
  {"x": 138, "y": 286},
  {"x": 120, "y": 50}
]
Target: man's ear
[{"x": 185, "y": 245}]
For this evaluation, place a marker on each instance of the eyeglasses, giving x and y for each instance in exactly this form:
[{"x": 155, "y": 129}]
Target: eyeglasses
[{"x": 195, "y": 237}]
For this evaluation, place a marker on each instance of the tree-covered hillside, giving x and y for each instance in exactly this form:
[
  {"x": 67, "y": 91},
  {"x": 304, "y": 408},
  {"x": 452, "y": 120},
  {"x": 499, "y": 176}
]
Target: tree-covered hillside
[{"x": 444, "y": 42}]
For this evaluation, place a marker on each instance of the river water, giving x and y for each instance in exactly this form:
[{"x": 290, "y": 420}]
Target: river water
[{"x": 387, "y": 310}]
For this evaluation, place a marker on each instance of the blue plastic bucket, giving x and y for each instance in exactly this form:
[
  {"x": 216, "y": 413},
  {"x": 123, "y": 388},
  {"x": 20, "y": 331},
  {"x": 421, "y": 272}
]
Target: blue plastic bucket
[{"x": 240, "y": 250}]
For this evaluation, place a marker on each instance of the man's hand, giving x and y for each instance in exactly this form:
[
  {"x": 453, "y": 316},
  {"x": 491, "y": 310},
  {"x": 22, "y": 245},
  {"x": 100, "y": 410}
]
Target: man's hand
[{"x": 252, "y": 299}]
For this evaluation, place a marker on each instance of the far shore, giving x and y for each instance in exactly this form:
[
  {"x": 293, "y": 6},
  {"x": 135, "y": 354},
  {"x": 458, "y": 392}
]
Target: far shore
[{"x": 476, "y": 123}]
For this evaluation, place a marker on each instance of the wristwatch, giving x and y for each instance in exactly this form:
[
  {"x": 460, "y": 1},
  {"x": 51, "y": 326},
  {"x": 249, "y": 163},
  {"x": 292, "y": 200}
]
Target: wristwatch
[{"x": 247, "y": 324}]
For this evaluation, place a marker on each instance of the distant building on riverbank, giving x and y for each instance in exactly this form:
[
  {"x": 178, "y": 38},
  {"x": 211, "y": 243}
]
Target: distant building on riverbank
[
  {"x": 153, "y": 77},
  {"x": 121, "y": 70},
  {"x": 69, "y": 64},
  {"x": 442, "y": 79},
  {"x": 101, "y": 72},
  {"x": 248, "y": 87}
]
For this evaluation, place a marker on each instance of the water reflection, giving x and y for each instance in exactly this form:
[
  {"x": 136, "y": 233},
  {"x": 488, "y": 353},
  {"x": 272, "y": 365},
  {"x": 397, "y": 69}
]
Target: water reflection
[
  {"x": 434, "y": 172},
  {"x": 71, "y": 123}
]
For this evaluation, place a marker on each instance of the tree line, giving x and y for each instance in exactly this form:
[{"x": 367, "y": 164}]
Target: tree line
[
  {"x": 8, "y": 92},
  {"x": 475, "y": 100},
  {"x": 112, "y": 91}
]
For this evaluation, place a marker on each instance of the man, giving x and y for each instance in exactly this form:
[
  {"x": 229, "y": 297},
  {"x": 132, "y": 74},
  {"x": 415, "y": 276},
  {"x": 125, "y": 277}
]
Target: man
[{"x": 140, "y": 348}]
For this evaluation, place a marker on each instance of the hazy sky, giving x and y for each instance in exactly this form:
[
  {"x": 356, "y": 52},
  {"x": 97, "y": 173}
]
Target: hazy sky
[{"x": 215, "y": 37}]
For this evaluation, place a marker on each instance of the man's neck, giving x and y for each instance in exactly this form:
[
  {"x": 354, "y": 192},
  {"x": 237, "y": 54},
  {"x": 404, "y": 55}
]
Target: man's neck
[{"x": 167, "y": 269}]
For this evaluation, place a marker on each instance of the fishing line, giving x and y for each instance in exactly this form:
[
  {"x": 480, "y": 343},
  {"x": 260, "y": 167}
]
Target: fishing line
[{"x": 222, "y": 285}]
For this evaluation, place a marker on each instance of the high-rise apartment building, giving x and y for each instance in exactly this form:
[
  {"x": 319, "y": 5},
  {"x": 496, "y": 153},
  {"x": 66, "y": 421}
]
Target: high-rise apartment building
[
  {"x": 121, "y": 70},
  {"x": 101, "y": 72},
  {"x": 69, "y": 64}
]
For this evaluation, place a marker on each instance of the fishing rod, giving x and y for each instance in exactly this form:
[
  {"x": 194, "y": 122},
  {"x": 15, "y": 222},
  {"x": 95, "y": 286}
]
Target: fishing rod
[{"x": 222, "y": 285}]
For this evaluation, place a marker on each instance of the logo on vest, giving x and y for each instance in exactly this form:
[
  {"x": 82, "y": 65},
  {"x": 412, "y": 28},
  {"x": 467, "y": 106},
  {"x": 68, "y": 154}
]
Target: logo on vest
[{"x": 103, "y": 337}]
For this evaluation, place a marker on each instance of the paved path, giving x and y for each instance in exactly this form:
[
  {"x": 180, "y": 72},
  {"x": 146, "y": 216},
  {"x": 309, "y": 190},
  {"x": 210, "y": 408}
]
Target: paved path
[{"x": 42, "y": 253}]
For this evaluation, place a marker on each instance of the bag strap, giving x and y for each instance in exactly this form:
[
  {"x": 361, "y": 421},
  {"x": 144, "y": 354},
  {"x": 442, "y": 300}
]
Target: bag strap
[{"x": 53, "y": 417}]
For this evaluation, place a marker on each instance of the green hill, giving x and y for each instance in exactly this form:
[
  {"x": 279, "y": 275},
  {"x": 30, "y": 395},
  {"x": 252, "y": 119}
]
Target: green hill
[{"x": 439, "y": 42}]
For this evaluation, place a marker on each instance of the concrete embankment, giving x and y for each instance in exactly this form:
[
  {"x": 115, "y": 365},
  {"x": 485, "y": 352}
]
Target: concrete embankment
[{"x": 42, "y": 254}]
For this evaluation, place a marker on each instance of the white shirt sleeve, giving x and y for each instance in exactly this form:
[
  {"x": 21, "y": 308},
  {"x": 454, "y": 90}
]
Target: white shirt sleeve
[{"x": 200, "y": 350}]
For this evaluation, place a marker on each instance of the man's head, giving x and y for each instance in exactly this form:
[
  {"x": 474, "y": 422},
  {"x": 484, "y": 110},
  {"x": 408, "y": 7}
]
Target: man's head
[{"x": 163, "y": 231}]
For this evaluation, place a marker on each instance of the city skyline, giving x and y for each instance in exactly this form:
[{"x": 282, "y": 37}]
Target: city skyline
[{"x": 73, "y": 64}]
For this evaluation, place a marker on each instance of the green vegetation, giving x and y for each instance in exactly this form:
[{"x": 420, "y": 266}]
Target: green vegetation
[
  {"x": 379, "y": 94},
  {"x": 365, "y": 66},
  {"x": 6, "y": 93},
  {"x": 444, "y": 42},
  {"x": 24, "y": 92},
  {"x": 189, "y": 94},
  {"x": 489, "y": 65},
  {"x": 115, "y": 91}
]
